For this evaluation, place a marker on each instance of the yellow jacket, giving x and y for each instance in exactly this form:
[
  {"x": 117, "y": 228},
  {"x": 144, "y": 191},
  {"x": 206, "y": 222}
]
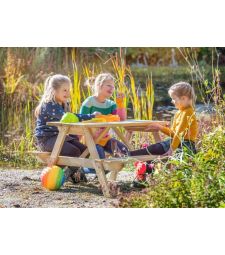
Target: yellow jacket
[{"x": 184, "y": 127}]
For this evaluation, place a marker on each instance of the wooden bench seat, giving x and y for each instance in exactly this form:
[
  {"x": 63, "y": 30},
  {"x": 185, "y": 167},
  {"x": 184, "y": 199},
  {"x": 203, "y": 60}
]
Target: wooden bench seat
[{"x": 111, "y": 164}]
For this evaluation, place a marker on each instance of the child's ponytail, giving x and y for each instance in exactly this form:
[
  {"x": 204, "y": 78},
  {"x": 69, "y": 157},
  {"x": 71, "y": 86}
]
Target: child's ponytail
[{"x": 47, "y": 82}]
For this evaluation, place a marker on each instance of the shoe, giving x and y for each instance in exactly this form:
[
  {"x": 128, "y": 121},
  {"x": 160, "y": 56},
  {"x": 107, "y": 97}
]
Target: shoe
[
  {"x": 68, "y": 172},
  {"x": 79, "y": 176},
  {"x": 143, "y": 170},
  {"x": 74, "y": 175},
  {"x": 89, "y": 170}
]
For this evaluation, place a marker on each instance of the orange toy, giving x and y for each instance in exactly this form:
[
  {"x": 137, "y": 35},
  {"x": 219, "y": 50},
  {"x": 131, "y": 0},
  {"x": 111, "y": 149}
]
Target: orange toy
[
  {"x": 109, "y": 117},
  {"x": 121, "y": 106}
]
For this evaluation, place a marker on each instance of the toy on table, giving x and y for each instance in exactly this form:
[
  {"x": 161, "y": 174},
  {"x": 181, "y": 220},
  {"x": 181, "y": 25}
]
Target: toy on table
[
  {"x": 52, "y": 178},
  {"x": 69, "y": 117},
  {"x": 109, "y": 117},
  {"x": 121, "y": 106}
]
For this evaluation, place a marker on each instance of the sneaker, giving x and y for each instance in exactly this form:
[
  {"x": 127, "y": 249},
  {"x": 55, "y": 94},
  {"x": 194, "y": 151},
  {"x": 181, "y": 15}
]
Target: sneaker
[
  {"x": 79, "y": 176},
  {"x": 74, "y": 175},
  {"x": 142, "y": 170},
  {"x": 68, "y": 172}
]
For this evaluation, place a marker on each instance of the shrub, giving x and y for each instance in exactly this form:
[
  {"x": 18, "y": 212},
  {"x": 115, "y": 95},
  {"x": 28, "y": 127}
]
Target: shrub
[{"x": 196, "y": 180}]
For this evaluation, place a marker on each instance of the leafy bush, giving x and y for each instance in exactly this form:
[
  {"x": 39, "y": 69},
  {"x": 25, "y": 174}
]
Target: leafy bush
[{"x": 196, "y": 180}]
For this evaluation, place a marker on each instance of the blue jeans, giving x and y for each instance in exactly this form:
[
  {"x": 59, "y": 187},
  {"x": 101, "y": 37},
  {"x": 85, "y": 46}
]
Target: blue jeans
[{"x": 110, "y": 146}]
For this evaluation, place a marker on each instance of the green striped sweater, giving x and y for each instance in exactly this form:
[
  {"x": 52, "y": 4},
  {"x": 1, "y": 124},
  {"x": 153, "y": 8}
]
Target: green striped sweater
[{"x": 91, "y": 105}]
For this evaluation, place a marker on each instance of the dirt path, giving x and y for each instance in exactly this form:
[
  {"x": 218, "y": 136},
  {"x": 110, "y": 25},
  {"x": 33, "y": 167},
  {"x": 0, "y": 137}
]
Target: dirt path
[{"x": 22, "y": 188}]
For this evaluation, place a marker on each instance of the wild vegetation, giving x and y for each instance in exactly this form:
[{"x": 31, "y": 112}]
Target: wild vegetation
[{"x": 196, "y": 181}]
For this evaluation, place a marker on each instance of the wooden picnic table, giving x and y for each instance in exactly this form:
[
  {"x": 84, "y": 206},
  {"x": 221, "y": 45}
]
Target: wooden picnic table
[{"x": 85, "y": 129}]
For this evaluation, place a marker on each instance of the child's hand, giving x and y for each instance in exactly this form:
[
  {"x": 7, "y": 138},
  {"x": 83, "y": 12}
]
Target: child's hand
[
  {"x": 154, "y": 127},
  {"x": 96, "y": 113}
]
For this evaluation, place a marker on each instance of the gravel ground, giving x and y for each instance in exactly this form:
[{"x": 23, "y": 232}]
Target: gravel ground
[{"x": 22, "y": 188}]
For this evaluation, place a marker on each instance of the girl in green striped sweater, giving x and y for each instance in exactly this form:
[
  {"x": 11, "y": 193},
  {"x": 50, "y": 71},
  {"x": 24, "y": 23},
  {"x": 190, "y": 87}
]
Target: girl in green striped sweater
[{"x": 99, "y": 102}]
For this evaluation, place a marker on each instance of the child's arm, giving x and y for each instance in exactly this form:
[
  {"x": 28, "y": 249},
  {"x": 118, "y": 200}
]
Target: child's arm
[
  {"x": 167, "y": 131},
  {"x": 55, "y": 112},
  {"x": 85, "y": 116},
  {"x": 157, "y": 127}
]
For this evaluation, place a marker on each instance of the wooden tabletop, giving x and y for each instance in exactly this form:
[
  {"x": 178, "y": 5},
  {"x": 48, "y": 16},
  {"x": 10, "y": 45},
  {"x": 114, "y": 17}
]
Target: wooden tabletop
[{"x": 127, "y": 123}]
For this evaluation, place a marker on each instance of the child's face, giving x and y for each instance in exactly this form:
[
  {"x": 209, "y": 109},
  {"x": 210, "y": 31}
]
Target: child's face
[
  {"x": 107, "y": 88},
  {"x": 180, "y": 102},
  {"x": 63, "y": 93}
]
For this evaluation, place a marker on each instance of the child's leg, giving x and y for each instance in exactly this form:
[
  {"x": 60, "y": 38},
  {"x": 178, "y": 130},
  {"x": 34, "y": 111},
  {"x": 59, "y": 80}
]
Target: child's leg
[
  {"x": 101, "y": 151},
  {"x": 113, "y": 145},
  {"x": 79, "y": 145},
  {"x": 153, "y": 149},
  {"x": 70, "y": 148}
]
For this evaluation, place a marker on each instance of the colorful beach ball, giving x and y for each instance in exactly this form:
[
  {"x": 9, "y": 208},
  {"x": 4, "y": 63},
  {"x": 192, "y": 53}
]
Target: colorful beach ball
[{"x": 52, "y": 178}]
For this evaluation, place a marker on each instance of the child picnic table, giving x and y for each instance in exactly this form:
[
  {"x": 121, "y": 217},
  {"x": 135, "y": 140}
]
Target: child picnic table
[{"x": 86, "y": 129}]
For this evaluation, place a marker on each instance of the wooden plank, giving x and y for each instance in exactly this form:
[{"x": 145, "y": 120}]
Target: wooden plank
[
  {"x": 147, "y": 157},
  {"x": 113, "y": 176},
  {"x": 112, "y": 161},
  {"x": 58, "y": 145},
  {"x": 84, "y": 154},
  {"x": 128, "y": 135},
  {"x": 103, "y": 133},
  {"x": 157, "y": 137},
  {"x": 114, "y": 165},
  {"x": 74, "y": 130},
  {"x": 130, "y": 123},
  {"x": 100, "y": 171},
  {"x": 121, "y": 136},
  {"x": 111, "y": 165}
]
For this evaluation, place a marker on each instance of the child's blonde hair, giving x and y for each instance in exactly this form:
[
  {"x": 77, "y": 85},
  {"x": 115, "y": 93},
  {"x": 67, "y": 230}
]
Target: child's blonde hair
[
  {"x": 52, "y": 83},
  {"x": 183, "y": 89},
  {"x": 96, "y": 83}
]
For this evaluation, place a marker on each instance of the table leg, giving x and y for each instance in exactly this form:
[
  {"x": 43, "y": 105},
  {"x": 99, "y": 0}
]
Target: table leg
[
  {"x": 113, "y": 175},
  {"x": 103, "y": 133},
  {"x": 157, "y": 137},
  {"x": 98, "y": 164},
  {"x": 121, "y": 136},
  {"x": 84, "y": 154},
  {"x": 128, "y": 135},
  {"x": 58, "y": 146}
]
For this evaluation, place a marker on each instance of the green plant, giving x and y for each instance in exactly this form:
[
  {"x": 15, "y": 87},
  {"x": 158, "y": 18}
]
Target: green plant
[{"x": 196, "y": 180}]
